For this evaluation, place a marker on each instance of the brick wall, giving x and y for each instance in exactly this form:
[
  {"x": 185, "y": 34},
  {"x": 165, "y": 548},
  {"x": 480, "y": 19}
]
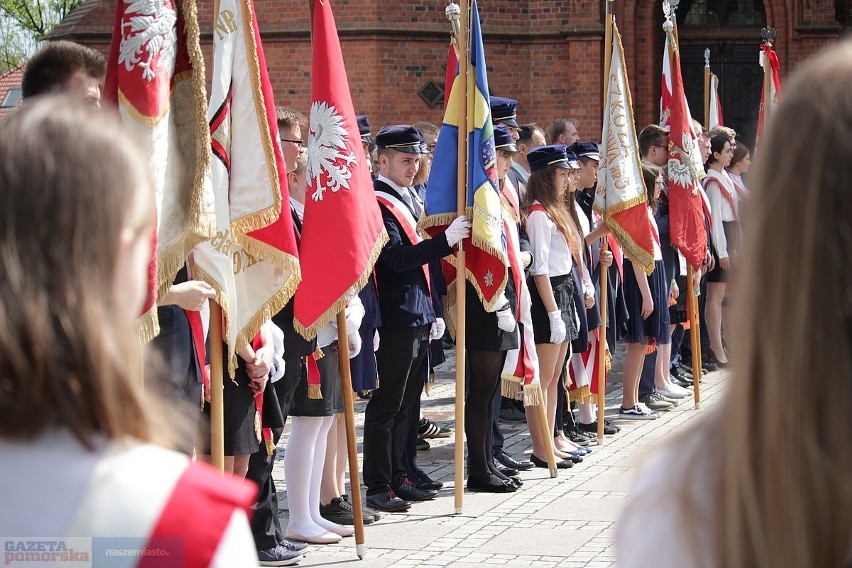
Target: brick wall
[{"x": 546, "y": 53}]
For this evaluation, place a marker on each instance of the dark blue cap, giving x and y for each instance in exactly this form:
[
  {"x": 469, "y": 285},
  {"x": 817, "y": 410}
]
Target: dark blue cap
[
  {"x": 503, "y": 111},
  {"x": 544, "y": 156},
  {"x": 364, "y": 129},
  {"x": 503, "y": 139},
  {"x": 586, "y": 150},
  {"x": 402, "y": 138},
  {"x": 573, "y": 162}
]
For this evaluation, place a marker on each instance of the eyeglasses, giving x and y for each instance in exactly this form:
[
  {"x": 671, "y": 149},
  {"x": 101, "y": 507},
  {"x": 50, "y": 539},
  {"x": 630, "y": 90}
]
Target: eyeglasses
[{"x": 298, "y": 142}]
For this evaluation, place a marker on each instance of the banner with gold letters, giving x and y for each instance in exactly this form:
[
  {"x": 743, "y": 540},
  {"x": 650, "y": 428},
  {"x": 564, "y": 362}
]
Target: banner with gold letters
[
  {"x": 620, "y": 198},
  {"x": 252, "y": 260}
]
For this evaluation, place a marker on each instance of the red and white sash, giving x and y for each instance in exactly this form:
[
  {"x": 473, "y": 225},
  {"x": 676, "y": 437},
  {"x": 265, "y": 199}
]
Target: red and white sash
[
  {"x": 406, "y": 220},
  {"x": 726, "y": 188}
]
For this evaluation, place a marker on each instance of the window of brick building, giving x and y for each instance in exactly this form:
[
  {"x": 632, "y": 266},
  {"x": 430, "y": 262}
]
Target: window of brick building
[{"x": 713, "y": 13}]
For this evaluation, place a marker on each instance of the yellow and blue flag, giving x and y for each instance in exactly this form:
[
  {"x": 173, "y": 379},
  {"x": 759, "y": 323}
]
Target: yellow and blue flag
[{"x": 486, "y": 258}]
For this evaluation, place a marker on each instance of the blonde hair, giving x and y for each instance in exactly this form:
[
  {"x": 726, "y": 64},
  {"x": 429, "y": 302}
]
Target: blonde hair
[
  {"x": 777, "y": 450},
  {"x": 68, "y": 178}
]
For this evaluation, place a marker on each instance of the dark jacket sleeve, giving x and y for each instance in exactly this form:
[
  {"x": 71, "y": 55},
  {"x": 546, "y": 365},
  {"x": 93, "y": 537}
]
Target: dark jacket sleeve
[
  {"x": 438, "y": 287},
  {"x": 400, "y": 256}
]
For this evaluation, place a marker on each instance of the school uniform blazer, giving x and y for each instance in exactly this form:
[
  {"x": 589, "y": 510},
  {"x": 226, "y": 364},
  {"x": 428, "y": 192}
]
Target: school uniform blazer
[{"x": 404, "y": 298}]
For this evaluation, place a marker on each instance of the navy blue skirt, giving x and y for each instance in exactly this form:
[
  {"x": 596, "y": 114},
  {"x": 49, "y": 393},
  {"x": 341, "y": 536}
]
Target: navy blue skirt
[
  {"x": 563, "y": 292},
  {"x": 655, "y": 328}
]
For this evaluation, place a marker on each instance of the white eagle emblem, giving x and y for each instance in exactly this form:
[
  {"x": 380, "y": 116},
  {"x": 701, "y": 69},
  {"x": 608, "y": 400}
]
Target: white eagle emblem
[
  {"x": 683, "y": 172},
  {"x": 148, "y": 37},
  {"x": 326, "y": 147}
]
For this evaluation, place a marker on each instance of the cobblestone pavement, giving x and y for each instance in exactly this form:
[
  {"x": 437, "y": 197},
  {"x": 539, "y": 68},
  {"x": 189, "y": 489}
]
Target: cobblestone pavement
[{"x": 567, "y": 521}]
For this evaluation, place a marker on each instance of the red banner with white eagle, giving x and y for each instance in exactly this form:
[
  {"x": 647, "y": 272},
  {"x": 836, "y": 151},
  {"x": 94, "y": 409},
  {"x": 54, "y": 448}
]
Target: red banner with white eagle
[
  {"x": 686, "y": 204},
  {"x": 155, "y": 77},
  {"x": 252, "y": 260},
  {"x": 342, "y": 232}
]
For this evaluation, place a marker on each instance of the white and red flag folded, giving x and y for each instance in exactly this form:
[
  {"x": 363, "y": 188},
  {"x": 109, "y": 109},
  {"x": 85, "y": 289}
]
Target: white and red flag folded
[
  {"x": 343, "y": 232},
  {"x": 155, "y": 77},
  {"x": 716, "y": 118},
  {"x": 620, "y": 197},
  {"x": 769, "y": 62},
  {"x": 252, "y": 260},
  {"x": 686, "y": 204}
]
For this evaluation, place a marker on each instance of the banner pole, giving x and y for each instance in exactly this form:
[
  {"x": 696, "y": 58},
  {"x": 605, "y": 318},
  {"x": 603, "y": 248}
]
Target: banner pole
[
  {"x": 217, "y": 393},
  {"x": 694, "y": 334},
  {"x": 349, "y": 416},
  {"x": 707, "y": 88},
  {"x": 604, "y": 276},
  {"x": 461, "y": 206}
]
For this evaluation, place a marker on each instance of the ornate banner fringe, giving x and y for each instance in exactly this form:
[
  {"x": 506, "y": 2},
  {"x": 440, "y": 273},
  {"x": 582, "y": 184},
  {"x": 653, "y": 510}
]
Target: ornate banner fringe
[
  {"x": 581, "y": 395},
  {"x": 510, "y": 387},
  {"x": 532, "y": 394},
  {"x": 314, "y": 392}
]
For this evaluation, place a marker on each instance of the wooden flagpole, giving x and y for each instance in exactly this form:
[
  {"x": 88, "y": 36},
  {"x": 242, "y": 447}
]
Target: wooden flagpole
[
  {"x": 604, "y": 299},
  {"x": 217, "y": 393},
  {"x": 707, "y": 88},
  {"x": 349, "y": 417},
  {"x": 462, "y": 41}
]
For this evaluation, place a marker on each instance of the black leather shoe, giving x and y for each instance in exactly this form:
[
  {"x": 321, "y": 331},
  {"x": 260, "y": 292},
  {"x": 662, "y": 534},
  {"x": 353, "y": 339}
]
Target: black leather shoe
[
  {"x": 502, "y": 487},
  {"x": 609, "y": 429},
  {"x": 507, "y": 460},
  {"x": 408, "y": 491},
  {"x": 423, "y": 481},
  {"x": 541, "y": 463},
  {"x": 507, "y": 471},
  {"x": 574, "y": 457},
  {"x": 388, "y": 501}
]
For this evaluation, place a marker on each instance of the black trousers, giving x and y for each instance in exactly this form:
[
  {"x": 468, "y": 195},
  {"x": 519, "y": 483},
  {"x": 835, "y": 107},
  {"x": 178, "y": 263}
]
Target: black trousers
[
  {"x": 265, "y": 523},
  {"x": 400, "y": 360}
]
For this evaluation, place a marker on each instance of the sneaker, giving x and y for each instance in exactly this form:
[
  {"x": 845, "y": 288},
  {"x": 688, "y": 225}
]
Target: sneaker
[
  {"x": 655, "y": 402},
  {"x": 278, "y": 556},
  {"x": 674, "y": 391},
  {"x": 406, "y": 489},
  {"x": 388, "y": 501},
  {"x": 577, "y": 435},
  {"x": 339, "y": 511},
  {"x": 302, "y": 547},
  {"x": 637, "y": 412},
  {"x": 512, "y": 414},
  {"x": 428, "y": 429},
  {"x": 366, "y": 512},
  {"x": 609, "y": 429}
]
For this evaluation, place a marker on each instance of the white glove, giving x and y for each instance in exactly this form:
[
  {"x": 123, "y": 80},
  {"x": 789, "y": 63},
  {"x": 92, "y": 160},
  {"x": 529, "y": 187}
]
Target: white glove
[
  {"x": 437, "y": 330},
  {"x": 557, "y": 327},
  {"x": 376, "y": 340},
  {"x": 458, "y": 230},
  {"x": 505, "y": 319},
  {"x": 354, "y": 344}
]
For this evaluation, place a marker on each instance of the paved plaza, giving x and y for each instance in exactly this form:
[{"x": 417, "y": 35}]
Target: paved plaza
[{"x": 568, "y": 521}]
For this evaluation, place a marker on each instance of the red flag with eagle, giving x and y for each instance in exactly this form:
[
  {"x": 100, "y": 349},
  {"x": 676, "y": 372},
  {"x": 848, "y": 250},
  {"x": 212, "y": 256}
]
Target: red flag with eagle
[
  {"x": 686, "y": 202},
  {"x": 252, "y": 260},
  {"x": 343, "y": 232},
  {"x": 155, "y": 77}
]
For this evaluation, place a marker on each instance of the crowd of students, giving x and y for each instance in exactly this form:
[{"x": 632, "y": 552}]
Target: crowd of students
[{"x": 70, "y": 370}]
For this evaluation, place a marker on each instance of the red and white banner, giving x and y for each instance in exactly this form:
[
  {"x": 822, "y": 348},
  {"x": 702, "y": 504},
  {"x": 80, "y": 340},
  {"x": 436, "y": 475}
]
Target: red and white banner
[
  {"x": 620, "y": 197},
  {"x": 252, "y": 259},
  {"x": 686, "y": 204},
  {"x": 343, "y": 232},
  {"x": 716, "y": 118},
  {"x": 769, "y": 62},
  {"x": 155, "y": 77}
]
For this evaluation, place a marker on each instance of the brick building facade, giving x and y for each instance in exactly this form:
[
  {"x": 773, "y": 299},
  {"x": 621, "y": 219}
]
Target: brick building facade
[{"x": 547, "y": 53}]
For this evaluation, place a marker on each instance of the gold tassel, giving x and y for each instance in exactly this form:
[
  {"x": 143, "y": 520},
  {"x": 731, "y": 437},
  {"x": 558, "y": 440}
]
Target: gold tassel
[
  {"x": 608, "y": 360},
  {"x": 270, "y": 447},
  {"x": 581, "y": 395},
  {"x": 510, "y": 387},
  {"x": 315, "y": 392},
  {"x": 532, "y": 394},
  {"x": 318, "y": 354}
]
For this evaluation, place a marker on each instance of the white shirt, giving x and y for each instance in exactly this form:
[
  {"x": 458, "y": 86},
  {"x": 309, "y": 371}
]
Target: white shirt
[
  {"x": 720, "y": 207},
  {"x": 585, "y": 227},
  {"x": 550, "y": 251}
]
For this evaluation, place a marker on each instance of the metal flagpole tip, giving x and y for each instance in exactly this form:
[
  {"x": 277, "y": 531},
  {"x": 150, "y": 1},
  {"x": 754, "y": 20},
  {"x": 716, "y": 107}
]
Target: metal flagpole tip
[
  {"x": 458, "y": 511},
  {"x": 361, "y": 551},
  {"x": 453, "y": 13},
  {"x": 706, "y": 57},
  {"x": 769, "y": 35}
]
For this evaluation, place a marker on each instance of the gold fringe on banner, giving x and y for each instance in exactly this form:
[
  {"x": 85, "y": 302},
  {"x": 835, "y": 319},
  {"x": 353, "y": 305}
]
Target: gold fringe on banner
[
  {"x": 510, "y": 387},
  {"x": 581, "y": 395},
  {"x": 315, "y": 392},
  {"x": 149, "y": 325},
  {"x": 532, "y": 394},
  {"x": 270, "y": 447}
]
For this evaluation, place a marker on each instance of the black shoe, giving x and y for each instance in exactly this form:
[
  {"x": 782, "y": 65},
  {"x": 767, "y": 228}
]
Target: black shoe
[
  {"x": 408, "y": 491},
  {"x": 388, "y": 501},
  {"x": 502, "y": 487},
  {"x": 507, "y": 460},
  {"x": 541, "y": 463},
  {"x": 709, "y": 366},
  {"x": 365, "y": 395},
  {"x": 422, "y": 444},
  {"x": 575, "y": 457},
  {"x": 423, "y": 481},
  {"x": 512, "y": 414},
  {"x": 368, "y": 515},
  {"x": 578, "y": 436},
  {"x": 507, "y": 471},
  {"x": 609, "y": 429},
  {"x": 338, "y": 511}
]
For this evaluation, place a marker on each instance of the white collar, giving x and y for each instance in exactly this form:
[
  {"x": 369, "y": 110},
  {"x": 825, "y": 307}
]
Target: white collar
[
  {"x": 398, "y": 188},
  {"x": 298, "y": 207}
]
